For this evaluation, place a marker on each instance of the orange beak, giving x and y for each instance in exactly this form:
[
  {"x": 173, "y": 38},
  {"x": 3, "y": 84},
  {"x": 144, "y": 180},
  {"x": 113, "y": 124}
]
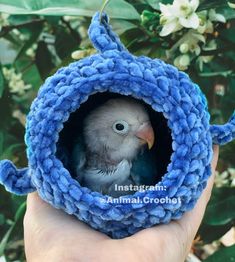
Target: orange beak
[{"x": 145, "y": 134}]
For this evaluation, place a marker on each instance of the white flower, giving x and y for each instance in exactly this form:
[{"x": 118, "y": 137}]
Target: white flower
[
  {"x": 184, "y": 48},
  {"x": 232, "y": 5},
  {"x": 204, "y": 60},
  {"x": 20, "y": 116},
  {"x": 15, "y": 81},
  {"x": 178, "y": 15},
  {"x": 233, "y": 183},
  {"x": 182, "y": 61},
  {"x": 232, "y": 172},
  {"x": 215, "y": 17},
  {"x": 205, "y": 21},
  {"x": 31, "y": 52},
  {"x": 205, "y": 26},
  {"x": 79, "y": 54},
  {"x": 221, "y": 179},
  {"x": 3, "y": 20},
  {"x": 232, "y": 176},
  {"x": 219, "y": 89},
  {"x": 192, "y": 40}
]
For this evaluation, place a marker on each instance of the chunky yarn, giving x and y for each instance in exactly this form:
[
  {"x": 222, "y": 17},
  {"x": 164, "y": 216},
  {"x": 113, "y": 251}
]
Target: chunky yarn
[{"x": 162, "y": 86}]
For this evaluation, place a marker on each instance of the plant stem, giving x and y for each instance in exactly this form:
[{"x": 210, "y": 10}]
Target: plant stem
[{"x": 102, "y": 8}]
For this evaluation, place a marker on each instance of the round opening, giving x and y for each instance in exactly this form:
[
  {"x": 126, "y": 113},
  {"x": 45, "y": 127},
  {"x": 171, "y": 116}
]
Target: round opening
[{"x": 149, "y": 166}]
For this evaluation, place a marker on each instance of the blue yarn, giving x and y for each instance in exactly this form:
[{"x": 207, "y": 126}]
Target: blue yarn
[
  {"x": 15, "y": 180},
  {"x": 165, "y": 89}
]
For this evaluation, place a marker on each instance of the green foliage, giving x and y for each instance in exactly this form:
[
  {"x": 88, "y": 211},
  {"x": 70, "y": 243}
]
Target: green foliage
[
  {"x": 224, "y": 254},
  {"x": 64, "y": 7},
  {"x": 38, "y": 37},
  {"x": 222, "y": 199}
]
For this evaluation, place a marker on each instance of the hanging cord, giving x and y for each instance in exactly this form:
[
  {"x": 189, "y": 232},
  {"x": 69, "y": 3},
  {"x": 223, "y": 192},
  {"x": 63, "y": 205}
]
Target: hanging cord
[{"x": 105, "y": 2}]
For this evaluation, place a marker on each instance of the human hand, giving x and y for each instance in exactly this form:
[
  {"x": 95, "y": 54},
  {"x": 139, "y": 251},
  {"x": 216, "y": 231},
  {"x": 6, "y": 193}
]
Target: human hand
[{"x": 52, "y": 235}]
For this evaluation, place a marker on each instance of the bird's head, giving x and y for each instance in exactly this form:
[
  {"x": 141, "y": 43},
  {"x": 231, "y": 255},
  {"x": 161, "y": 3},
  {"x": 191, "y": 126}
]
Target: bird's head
[{"x": 118, "y": 128}]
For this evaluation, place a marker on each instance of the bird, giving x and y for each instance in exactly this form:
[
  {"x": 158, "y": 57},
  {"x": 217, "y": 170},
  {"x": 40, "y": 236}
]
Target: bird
[{"x": 114, "y": 135}]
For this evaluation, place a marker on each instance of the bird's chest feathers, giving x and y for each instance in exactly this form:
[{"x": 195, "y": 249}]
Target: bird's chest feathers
[{"x": 101, "y": 162}]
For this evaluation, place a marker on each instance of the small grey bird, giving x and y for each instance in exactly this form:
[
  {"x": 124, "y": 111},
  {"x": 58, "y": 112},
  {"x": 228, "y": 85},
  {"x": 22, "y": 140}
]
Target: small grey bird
[{"x": 113, "y": 136}]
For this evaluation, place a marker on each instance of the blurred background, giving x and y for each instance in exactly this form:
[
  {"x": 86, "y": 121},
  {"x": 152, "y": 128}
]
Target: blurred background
[{"x": 38, "y": 37}]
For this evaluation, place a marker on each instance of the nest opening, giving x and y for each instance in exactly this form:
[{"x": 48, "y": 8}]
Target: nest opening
[{"x": 160, "y": 153}]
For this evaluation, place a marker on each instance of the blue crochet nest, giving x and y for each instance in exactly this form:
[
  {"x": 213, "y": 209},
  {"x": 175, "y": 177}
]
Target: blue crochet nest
[{"x": 159, "y": 85}]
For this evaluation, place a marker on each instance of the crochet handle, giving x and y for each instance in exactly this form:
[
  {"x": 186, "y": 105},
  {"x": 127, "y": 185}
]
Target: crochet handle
[
  {"x": 17, "y": 181},
  {"x": 223, "y": 134},
  {"x": 102, "y": 36}
]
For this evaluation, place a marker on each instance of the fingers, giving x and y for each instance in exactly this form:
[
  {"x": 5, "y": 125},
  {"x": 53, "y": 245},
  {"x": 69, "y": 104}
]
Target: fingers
[
  {"x": 50, "y": 224},
  {"x": 176, "y": 238},
  {"x": 190, "y": 222}
]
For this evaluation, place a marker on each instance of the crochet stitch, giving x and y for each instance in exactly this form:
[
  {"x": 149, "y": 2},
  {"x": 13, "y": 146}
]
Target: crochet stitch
[{"x": 162, "y": 86}]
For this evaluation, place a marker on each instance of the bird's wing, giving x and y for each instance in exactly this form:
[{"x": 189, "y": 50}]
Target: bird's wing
[
  {"x": 78, "y": 159},
  {"x": 144, "y": 171}
]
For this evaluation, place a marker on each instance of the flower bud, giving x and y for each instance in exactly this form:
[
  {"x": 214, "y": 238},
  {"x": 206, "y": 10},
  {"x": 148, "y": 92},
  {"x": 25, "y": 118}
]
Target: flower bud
[
  {"x": 184, "y": 60},
  {"x": 184, "y": 48}
]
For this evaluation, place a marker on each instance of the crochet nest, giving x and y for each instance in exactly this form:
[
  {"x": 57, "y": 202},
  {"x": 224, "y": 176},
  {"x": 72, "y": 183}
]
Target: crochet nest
[{"x": 161, "y": 86}]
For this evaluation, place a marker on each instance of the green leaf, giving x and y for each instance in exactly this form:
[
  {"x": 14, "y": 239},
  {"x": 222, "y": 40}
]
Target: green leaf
[
  {"x": 229, "y": 34},
  {"x": 65, "y": 43},
  {"x": 33, "y": 36},
  {"x": 227, "y": 12},
  {"x": 19, "y": 215},
  {"x": 208, "y": 4},
  {"x": 69, "y": 7},
  {"x": 213, "y": 74},
  {"x": 155, "y": 3},
  {"x": 226, "y": 254},
  {"x": 43, "y": 59},
  {"x": 121, "y": 26},
  {"x": 4, "y": 240},
  {"x": 2, "y": 84},
  {"x": 222, "y": 199},
  {"x": 211, "y": 233},
  {"x": 20, "y": 212},
  {"x": 2, "y": 219}
]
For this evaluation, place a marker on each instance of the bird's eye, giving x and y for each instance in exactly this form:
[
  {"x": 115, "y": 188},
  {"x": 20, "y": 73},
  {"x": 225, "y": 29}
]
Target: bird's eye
[{"x": 121, "y": 127}]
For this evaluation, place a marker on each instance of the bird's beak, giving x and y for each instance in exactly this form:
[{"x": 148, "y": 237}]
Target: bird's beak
[{"x": 146, "y": 134}]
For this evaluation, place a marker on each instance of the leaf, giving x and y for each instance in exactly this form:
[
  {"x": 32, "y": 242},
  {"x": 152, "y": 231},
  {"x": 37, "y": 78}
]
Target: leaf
[
  {"x": 19, "y": 215},
  {"x": 4, "y": 241},
  {"x": 43, "y": 59},
  {"x": 10, "y": 51},
  {"x": 210, "y": 233},
  {"x": 227, "y": 12},
  {"x": 222, "y": 199},
  {"x": 121, "y": 26},
  {"x": 20, "y": 19},
  {"x": 9, "y": 151},
  {"x": 155, "y": 3},
  {"x": 213, "y": 74},
  {"x": 229, "y": 34},
  {"x": 2, "y": 84},
  {"x": 226, "y": 254},
  {"x": 2, "y": 219},
  {"x": 209, "y": 4},
  {"x": 65, "y": 43},
  {"x": 72, "y": 7},
  {"x": 34, "y": 35},
  {"x": 20, "y": 212}
]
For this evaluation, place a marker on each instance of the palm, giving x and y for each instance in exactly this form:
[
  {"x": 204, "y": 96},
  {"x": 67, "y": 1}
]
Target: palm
[{"x": 51, "y": 234}]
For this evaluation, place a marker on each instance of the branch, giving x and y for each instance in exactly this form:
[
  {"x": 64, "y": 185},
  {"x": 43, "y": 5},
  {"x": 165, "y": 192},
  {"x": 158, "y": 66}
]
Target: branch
[{"x": 6, "y": 29}]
